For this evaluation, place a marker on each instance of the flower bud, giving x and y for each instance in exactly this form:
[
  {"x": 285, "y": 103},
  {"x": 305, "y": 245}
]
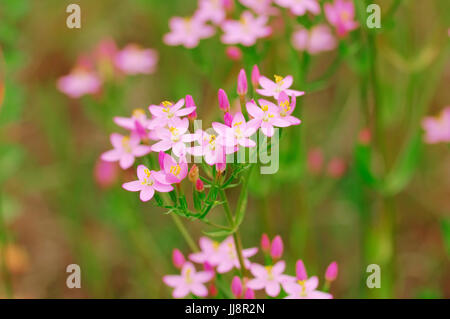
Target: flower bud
[
  {"x": 300, "y": 270},
  {"x": 178, "y": 258},
  {"x": 265, "y": 243},
  {"x": 331, "y": 272},
  {"x": 277, "y": 247},
  {"x": 193, "y": 174},
  {"x": 199, "y": 186},
  {"x": 105, "y": 173},
  {"x": 249, "y": 294},
  {"x": 236, "y": 286},
  {"x": 336, "y": 167},
  {"x": 365, "y": 136},
  {"x": 192, "y": 116},
  {"x": 212, "y": 290},
  {"x": 255, "y": 76},
  {"x": 228, "y": 119},
  {"x": 224, "y": 103},
  {"x": 233, "y": 53},
  {"x": 242, "y": 86},
  {"x": 161, "y": 156}
]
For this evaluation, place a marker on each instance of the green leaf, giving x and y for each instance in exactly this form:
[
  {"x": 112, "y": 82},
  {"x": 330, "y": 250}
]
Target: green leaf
[{"x": 219, "y": 233}]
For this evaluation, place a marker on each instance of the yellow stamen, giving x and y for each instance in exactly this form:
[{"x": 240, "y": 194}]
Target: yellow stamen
[
  {"x": 147, "y": 172},
  {"x": 278, "y": 79},
  {"x": 166, "y": 104},
  {"x": 138, "y": 112},
  {"x": 175, "y": 170},
  {"x": 265, "y": 108}
]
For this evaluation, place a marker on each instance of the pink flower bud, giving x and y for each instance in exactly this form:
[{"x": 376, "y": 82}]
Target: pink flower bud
[
  {"x": 300, "y": 270},
  {"x": 277, "y": 247},
  {"x": 161, "y": 156},
  {"x": 193, "y": 174},
  {"x": 105, "y": 173},
  {"x": 336, "y": 167},
  {"x": 236, "y": 286},
  {"x": 255, "y": 76},
  {"x": 242, "y": 86},
  {"x": 199, "y": 186},
  {"x": 249, "y": 294},
  {"x": 189, "y": 100},
  {"x": 224, "y": 103},
  {"x": 315, "y": 160},
  {"x": 228, "y": 5},
  {"x": 365, "y": 136},
  {"x": 331, "y": 272},
  {"x": 193, "y": 115},
  {"x": 233, "y": 53},
  {"x": 220, "y": 167},
  {"x": 212, "y": 290},
  {"x": 265, "y": 243},
  {"x": 228, "y": 119},
  {"x": 178, "y": 258}
]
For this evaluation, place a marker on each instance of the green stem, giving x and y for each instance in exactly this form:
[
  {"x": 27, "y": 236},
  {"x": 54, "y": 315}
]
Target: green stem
[
  {"x": 3, "y": 244},
  {"x": 184, "y": 232}
]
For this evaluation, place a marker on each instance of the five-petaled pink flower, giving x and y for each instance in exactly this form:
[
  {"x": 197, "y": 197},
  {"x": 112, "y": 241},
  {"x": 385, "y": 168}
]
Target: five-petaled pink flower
[
  {"x": 174, "y": 172},
  {"x": 314, "y": 41},
  {"x": 238, "y": 134},
  {"x": 230, "y": 259},
  {"x": 305, "y": 289},
  {"x": 79, "y": 82},
  {"x": 210, "y": 147},
  {"x": 300, "y": 7},
  {"x": 190, "y": 281},
  {"x": 286, "y": 108},
  {"x": 269, "y": 278},
  {"x": 148, "y": 182},
  {"x": 166, "y": 113},
  {"x": 246, "y": 30},
  {"x": 125, "y": 150},
  {"x": 210, "y": 252},
  {"x": 437, "y": 129},
  {"x": 267, "y": 116},
  {"x": 341, "y": 15},
  {"x": 271, "y": 88},
  {"x": 172, "y": 137},
  {"x": 187, "y": 31},
  {"x": 134, "y": 60}
]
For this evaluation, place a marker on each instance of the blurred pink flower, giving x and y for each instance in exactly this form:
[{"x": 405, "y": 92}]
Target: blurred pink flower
[
  {"x": 269, "y": 278},
  {"x": 255, "y": 76},
  {"x": 276, "y": 249},
  {"x": 209, "y": 252},
  {"x": 336, "y": 167},
  {"x": 316, "y": 40},
  {"x": 236, "y": 286},
  {"x": 331, "y": 272},
  {"x": 341, "y": 15},
  {"x": 267, "y": 116},
  {"x": 134, "y": 60},
  {"x": 125, "y": 150},
  {"x": 172, "y": 137},
  {"x": 79, "y": 82},
  {"x": 242, "y": 84},
  {"x": 105, "y": 54},
  {"x": 246, "y": 30},
  {"x": 187, "y": 31},
  {"x": 300, "y": 270},
  {"x": 178, "y": 258},
  {"x": 249, "y": 294},
  {"x": 233, "y": 53},
  {"x": 261, "y": 7},
  {"x": 211, "y": 10},
  {"x": 300, "y": 7},
  {"x": 265, "y": 243},
  {"x": 190, "y": 281},
  {"x": 305, "y": 289},
  {"x": 365, "y": 136},
  {"x": 105, "y": 173},
  {"x": 137, "y": 123},
  {"x": 286, "y": 108},
  {"x": 271, "y": 88},
  {"x": 229, "y": 258},
  {"x": 148, "y": 182},
  {"x": 168, "y": 113},
  {"x": 437, "y": 129},
  {"x": 315, "y": 160},
  {"x": 224, "y": 103},
  {"x": 238, "y": 134}
]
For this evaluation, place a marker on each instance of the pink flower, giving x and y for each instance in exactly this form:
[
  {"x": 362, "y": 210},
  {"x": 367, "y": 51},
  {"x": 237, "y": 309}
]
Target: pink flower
[
  {"x": 167, "y": 113},
  {"x": 228, "y": 119},
  {"x": 300, "y": 270},
  {"x": 148, "y": 182},
  {"x": 233, "y": 53},
  {"x": 199, "y": 186},
  {"x": 316, "y": 40},
  {"x": 261, "y": 7},
  {"x": 105, "y": 173},
  {"x": 246, "y": 30},
  {"x": 242, "y": 85},
  {"x": 178, "y": 258},
  {"x": 137, "y": 123},
  {"x": 210, "y": 147},
  {"x": 79, "y": 82},
  {"x": 174, "y": 172},
  {"x": 187, "y": 31},
  {"x": 229, "y": 258},
  {"x": 315, "y": 160},
  {"x": 305, "y": 289},
  {"x": 265, "y": 117},
  {"x": 269, "y": 278},
  {"x": 238, "y": 134},
  {"x": 276, "y": 250},
  {"x": 255, "y": 75},
  {"x": 437, "y": 129},
  {"x": 211, "y": 10},
  {"x": 125, "y": 150},
  {"x": 336, "y": 167},
  {"x": 172, "y": 137},
  {"x": 210, "y": 252},
  {"x": 190, "y": 281},
  {"x": 341, "y": 15},
  {"x": 270, "y": 88},
  {"x": 265, "y": 243},
  {"x": 286, "y": 108},
  {"x": 300, "y": 7},
  {"x": 134, "y": 60},
  {"x": 331, "y": 272},
  {"x": 249, "y": 294},
  {"x": 236, "y": 286},
  {"x": 224, "y": 103}
]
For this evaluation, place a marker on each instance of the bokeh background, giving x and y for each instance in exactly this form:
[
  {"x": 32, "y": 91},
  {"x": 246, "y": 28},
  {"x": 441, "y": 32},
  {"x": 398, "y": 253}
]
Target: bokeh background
[{"x": 54, "y": 213}]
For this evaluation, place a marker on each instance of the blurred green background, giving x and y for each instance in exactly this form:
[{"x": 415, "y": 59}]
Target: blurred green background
[{"x": 391, "y": 206}]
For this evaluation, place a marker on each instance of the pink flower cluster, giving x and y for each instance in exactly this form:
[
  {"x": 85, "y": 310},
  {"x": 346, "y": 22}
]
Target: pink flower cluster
[
  {"x": 437, "y": 129},
  {"x": 253, "y": 23},
  {"x": 92, "y": 70},
  {"x": 168, "y": 130},
  {"x": 221, "y": 257}
]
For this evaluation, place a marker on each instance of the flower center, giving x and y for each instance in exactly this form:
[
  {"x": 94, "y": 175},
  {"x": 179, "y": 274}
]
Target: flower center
[
  {"x": 303, "y": 291},
  {"x": 269, "y": 273},
  {"x": 175, "y": 169},
  {"x": 138, "y": 113},
  {"x": 126, "y": 144},
  {"x": 187, "y": 276},
  {"x": 175, "y": 137},
  {"x": 345, "y": 16},
  {"x": 147, "y": 180},
  {"x": 285, "y": 107},
  {"x": 212, "y": 142},
  {"x": 278, "y": 79}
]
